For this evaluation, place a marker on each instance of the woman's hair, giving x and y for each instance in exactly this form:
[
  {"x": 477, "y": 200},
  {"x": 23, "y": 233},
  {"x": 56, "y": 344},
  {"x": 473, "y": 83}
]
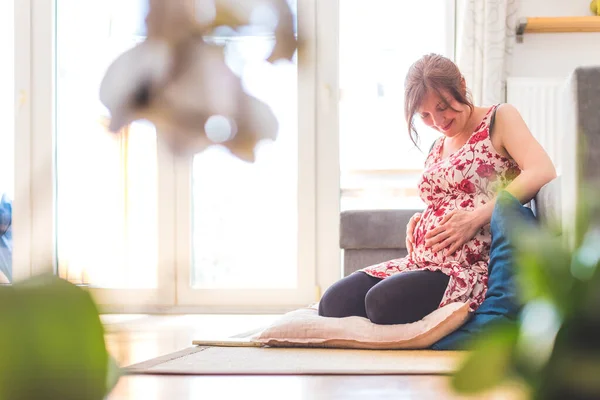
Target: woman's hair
[{"x": 432, "y": 72}]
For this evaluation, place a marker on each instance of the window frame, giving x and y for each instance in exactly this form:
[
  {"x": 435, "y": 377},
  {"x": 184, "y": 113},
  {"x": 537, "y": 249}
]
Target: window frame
[
  {"x": 33, "y": 205},
  {"x": 21, "y": 210}
]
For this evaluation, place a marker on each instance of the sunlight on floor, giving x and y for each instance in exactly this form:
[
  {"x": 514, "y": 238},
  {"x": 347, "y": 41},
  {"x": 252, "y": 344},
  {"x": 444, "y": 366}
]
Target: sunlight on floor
[{"x": 133, "y": 338}]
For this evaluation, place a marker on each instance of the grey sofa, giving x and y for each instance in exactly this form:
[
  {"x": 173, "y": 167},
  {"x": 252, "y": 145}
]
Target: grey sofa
[{"x": 371, "y": 236}]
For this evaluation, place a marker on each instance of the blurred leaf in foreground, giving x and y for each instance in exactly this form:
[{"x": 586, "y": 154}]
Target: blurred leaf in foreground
[
  {"x": 557, "y": 336},
  {"x": 543, "y": 268},
  {"x": 51, "y": 342},
  {"x": 490, "y": 364}
]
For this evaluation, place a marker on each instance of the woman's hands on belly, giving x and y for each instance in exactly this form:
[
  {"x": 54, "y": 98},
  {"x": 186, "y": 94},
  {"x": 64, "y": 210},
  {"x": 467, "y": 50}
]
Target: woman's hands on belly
[
  {"x": 454, "y": 230},
  {"x": 458, "y": 230},
  {"x": 410, "y": 232}
]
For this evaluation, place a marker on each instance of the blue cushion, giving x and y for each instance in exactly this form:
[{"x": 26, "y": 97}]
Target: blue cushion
[{"x": 501, "y": 300}]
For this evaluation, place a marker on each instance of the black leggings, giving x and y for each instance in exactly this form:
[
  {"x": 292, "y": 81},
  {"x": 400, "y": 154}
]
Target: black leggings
[{"x": 399, "y": 299}]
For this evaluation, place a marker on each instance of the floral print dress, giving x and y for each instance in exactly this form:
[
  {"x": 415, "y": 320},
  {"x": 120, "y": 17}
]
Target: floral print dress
[{"x": 466, "y": 179}]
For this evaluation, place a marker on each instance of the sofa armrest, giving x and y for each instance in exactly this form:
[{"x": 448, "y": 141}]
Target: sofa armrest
[
  {"x": 368, "y": 237},
  {"x": 547, "y": 204},
  {"x": 374, "y": 229}
]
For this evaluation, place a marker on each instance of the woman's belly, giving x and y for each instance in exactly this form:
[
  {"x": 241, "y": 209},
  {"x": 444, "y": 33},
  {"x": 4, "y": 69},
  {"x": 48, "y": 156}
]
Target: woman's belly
[{"x": 474, "y": 251}]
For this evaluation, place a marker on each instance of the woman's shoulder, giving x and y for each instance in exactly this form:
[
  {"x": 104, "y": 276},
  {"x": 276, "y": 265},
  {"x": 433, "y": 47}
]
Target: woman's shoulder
[
  {"x": 504, "y": 115},
  {"x": 498, "y": 108},
  {"x": 506, "y": 110}
]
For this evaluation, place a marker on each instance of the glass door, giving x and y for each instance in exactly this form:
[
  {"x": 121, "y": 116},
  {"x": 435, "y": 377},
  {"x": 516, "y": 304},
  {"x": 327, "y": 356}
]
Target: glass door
[{"x": 248, "y": 229}]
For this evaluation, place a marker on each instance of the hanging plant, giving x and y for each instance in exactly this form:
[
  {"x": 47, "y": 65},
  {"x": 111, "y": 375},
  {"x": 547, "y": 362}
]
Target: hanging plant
[{"x": 177, "y": 80}]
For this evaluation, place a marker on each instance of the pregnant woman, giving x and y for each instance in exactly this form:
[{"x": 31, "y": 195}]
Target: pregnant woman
[{"x": 481, "y": 151}]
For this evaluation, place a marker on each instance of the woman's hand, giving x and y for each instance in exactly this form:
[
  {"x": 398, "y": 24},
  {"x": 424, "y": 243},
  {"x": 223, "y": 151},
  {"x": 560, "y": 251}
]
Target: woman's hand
[
  {"x": 410, "y": 230},
  {"x": 456, "y": 228}
]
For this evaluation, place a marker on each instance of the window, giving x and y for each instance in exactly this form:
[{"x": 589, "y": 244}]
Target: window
[
  {"x": 245, "y": 216},
  {"x": 144, "y": 229},
  {"x": 249, "y": 222},
  {"x": 137, "y": 225},
  {"x": 379, "y": 40},
  {"x": 108, "y": 232}
]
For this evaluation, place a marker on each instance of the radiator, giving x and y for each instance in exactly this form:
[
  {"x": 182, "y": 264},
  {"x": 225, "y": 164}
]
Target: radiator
[{"x": 541, "y": 102}]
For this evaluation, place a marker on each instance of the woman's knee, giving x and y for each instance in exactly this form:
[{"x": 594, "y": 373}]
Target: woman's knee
[
  {"x": 405, "y": 298},
  {"x": 384, "y": 308},
  {"x": 346, "y": 297},
  {"x": 326, "y": 308},
  {"x": 378, "y": 307}
]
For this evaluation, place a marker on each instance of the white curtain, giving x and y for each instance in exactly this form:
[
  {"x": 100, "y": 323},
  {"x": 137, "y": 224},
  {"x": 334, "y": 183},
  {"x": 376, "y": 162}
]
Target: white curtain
[{"x": 486, "y": 40}]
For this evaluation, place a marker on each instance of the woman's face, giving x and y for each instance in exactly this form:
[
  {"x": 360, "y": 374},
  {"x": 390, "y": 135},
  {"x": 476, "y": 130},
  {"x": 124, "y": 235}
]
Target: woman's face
[{"x": 441, "y": 115}]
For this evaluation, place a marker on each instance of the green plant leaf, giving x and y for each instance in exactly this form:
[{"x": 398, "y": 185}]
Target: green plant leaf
[
  {"x": 539, "y": 324},
  {"x": 581, "y": 373},
  {"x": 574, "y": 367},
  {"x": 543, "y": 268},
  {"x": 587, "y": 212},
  {"x": 51, "y": 342},
  {"x": 490, "y": 362}
]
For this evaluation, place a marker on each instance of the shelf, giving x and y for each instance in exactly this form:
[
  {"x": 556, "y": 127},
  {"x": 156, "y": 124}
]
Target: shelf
[{"x": 557, "y": 25}]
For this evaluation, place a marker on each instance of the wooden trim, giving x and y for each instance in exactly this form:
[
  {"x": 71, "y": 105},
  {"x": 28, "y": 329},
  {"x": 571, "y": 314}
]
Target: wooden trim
[
  {"x": 326, "y": 31},
  {"x": 557, "y": 25}
]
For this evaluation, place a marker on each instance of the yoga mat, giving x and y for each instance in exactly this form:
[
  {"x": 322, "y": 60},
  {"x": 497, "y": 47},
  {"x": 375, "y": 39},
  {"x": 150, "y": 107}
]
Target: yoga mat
[{"x": 244, "y": 358}]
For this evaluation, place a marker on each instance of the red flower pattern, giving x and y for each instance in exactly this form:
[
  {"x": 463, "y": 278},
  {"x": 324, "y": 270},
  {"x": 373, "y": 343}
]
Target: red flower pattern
[
  {"x": 467, "y": 179},
  {"x": 486, "y": 170},
  {"x": 478, "y": 137},
  {"x": 466, "y": 186},
  {"x": 466, "y": 203}
]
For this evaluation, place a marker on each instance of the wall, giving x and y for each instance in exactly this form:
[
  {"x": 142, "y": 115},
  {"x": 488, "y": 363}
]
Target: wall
[{"x": 554, "y": 54}]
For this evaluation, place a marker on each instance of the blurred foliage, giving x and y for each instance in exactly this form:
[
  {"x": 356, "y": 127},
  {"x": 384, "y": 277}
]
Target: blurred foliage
[
  {"x": 52, "y": 343},
  {"x": 554, "y": 346}
]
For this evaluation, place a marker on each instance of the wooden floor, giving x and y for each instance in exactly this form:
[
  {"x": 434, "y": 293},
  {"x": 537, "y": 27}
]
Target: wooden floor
[{"x": 135, "y": 338}]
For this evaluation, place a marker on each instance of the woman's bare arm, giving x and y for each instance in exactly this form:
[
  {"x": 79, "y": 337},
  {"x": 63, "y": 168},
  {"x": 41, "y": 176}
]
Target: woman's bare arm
[{"x": 516, "y": 141}]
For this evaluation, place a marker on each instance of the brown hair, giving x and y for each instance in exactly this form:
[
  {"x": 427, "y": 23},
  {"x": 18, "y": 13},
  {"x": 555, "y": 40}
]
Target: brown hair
[{"x": 432, "y": 72}]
